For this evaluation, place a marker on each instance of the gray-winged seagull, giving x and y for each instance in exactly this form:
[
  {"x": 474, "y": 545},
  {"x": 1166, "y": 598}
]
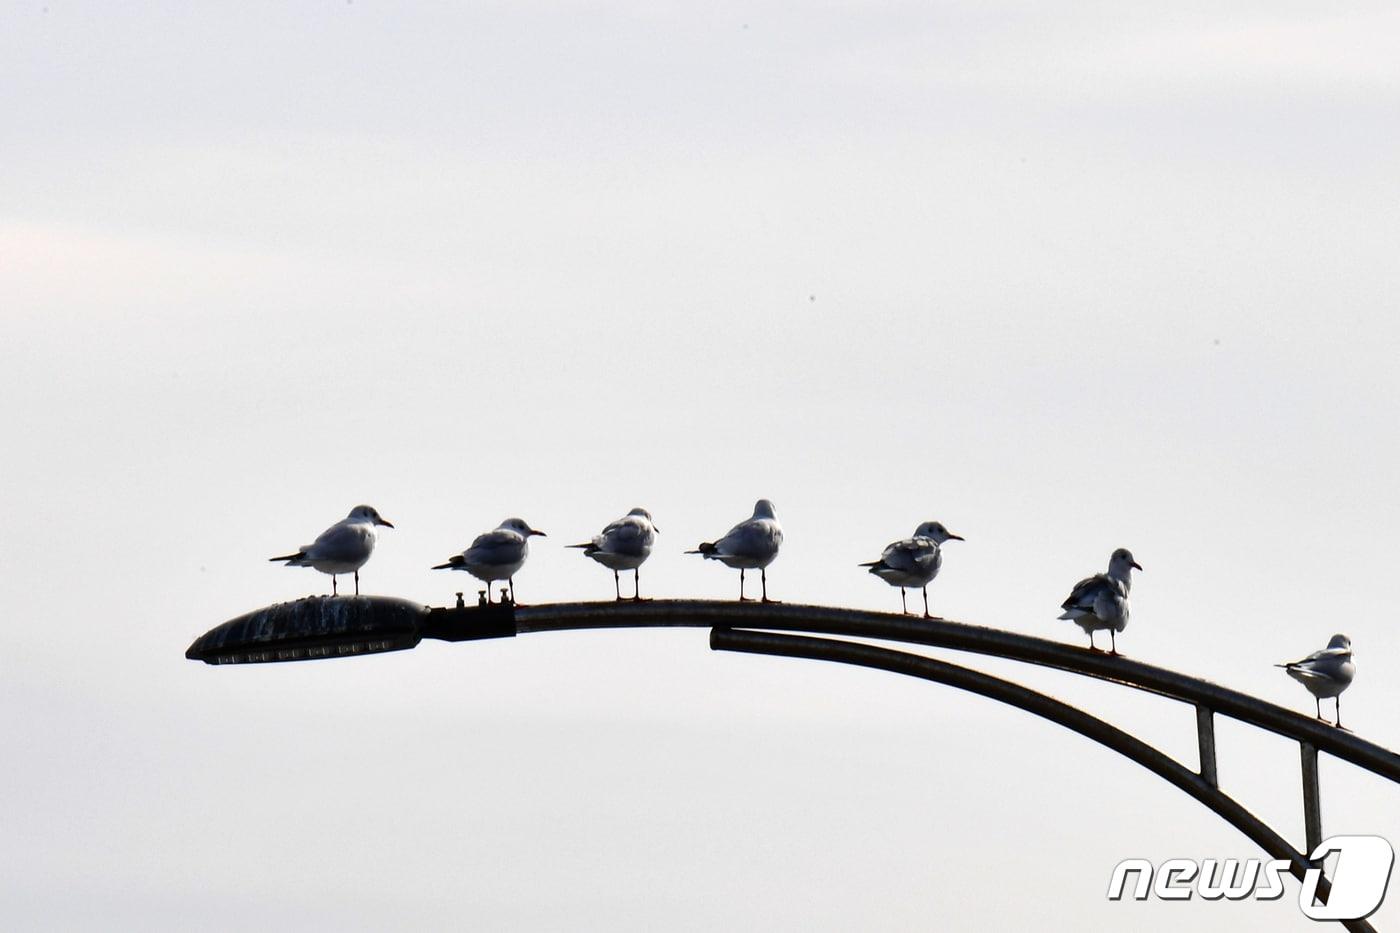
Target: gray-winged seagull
[
  {"x": 496, "y": 555},
  {"x": 750, "y": 545},
  {"x": 915, "y": 561},
  {"x": 1101, "y": 601},
  {"x": 342, "y": 548},
  {"x": 624, "y": 545},
  {"x": 1325, "y": 673}
]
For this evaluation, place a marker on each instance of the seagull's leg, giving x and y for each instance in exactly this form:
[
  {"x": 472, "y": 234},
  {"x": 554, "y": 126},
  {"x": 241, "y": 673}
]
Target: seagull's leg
[
  {"x": 1092, "y": 647},
  {"x": 741, "y": 585},
  {"x": 763, "y": 574},
  {"x": 357, "y": 583},
  {"x": 334, "y": 591},
  {"x": 926, "y": 615},
  {"x": 637, "y": 584},
  {"x": 617, "y": 587},
  {"x": 1318, "y": 701},
  {"x": 511, "y": 581},
  {"x": 488, "y": 592},
  {"x": 1338, "y": 698},
  {"x": 904, "y": 605},
  {"x": 1113, "y": 640}
]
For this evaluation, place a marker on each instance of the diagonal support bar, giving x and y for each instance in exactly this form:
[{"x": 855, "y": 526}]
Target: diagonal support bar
[
  {"x": 1312, "y": 798},
  {"x": 1205, "y": 737}
]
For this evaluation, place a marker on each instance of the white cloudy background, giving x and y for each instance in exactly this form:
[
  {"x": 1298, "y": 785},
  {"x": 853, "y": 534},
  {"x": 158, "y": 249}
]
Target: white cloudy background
[{"x": 1066, "y": 277}]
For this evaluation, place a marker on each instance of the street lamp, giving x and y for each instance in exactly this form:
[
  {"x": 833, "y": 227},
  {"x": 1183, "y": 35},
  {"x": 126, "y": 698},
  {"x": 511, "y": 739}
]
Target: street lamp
[{"x": 342, "y": 626}]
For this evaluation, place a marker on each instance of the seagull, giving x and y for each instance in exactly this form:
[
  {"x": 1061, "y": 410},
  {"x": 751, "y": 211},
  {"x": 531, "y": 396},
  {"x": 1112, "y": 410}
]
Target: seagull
[
  {"x": 342, "y": 548},
  {"x": 1325, "y": 673},
  {"x": 496, "y": 555},
  {"x": 624, "y": 545},
  {"x": 1101, "y": 601},
  {"x": 914, "y": 561},
  {"x": 750, "y": 545}
]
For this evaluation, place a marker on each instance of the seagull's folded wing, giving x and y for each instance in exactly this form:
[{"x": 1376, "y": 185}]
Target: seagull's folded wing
[
  {"x": 756, "y": 537},
  {"x": 1304, "y": 671},
  {"x": 626, "y": 536},
  {"x": 501, "y": 546},
  {"x": 341, "y": 543},
  {"x": 1085, "y": 592},
  {"x": 910, "y": 555}
]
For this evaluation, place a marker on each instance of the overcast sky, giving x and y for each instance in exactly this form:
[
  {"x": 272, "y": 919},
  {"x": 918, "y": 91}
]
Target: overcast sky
[{"x": 1066, "y": 277}]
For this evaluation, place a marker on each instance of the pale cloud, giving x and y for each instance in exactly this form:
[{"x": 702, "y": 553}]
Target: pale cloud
[{"x": 1120, "y": 54}]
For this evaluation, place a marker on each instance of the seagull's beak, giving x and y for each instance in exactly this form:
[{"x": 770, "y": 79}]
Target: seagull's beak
[
  {"x": 540, "y": 533},
  {"x": 1137, "y": 565},
  {"x": 953, "y": 537},
  {"x": 655, "y": 530},
  {"x": 386, "y": 524}
]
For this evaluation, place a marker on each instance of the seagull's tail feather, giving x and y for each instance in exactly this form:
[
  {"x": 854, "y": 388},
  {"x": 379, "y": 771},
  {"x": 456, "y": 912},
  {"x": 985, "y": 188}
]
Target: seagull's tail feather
[
  {"x": 707, "y": 549},
  {"x": 297, "y": 556},
  {"x": 451, "y": 563},
  {"x": 1072, "y": 614}
]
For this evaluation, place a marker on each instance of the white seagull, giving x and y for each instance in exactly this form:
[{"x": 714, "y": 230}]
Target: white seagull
[
  {"x": 342, "y": 548},
  {"x": 1101, "y": 601},
  {"x": 1325, "y": 673},
  {"x": 624, "y": 545},
  {"x": 914, "y": 561},
  {"x": 750, "y": 545},
  {"x": 496, "y": 555}
]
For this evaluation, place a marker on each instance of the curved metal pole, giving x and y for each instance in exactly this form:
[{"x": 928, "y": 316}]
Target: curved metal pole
[
  {"x": 320, "y": 627},
  {"x": 941, "y": 633},
  {"x": 912, "y": 665}
]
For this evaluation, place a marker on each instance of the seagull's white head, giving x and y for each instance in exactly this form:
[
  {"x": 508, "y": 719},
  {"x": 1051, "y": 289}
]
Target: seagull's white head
[
  {"x": 643, "y": 513},
  {"x": 367, "y": 513},
  {"x": 520, "y": 527},
  {"x": 763, "y": 508},
  {"x": 1121, "y": 565},
  {"x": 1340, "y": 641},
  {"x": 936, "y": 532}
]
